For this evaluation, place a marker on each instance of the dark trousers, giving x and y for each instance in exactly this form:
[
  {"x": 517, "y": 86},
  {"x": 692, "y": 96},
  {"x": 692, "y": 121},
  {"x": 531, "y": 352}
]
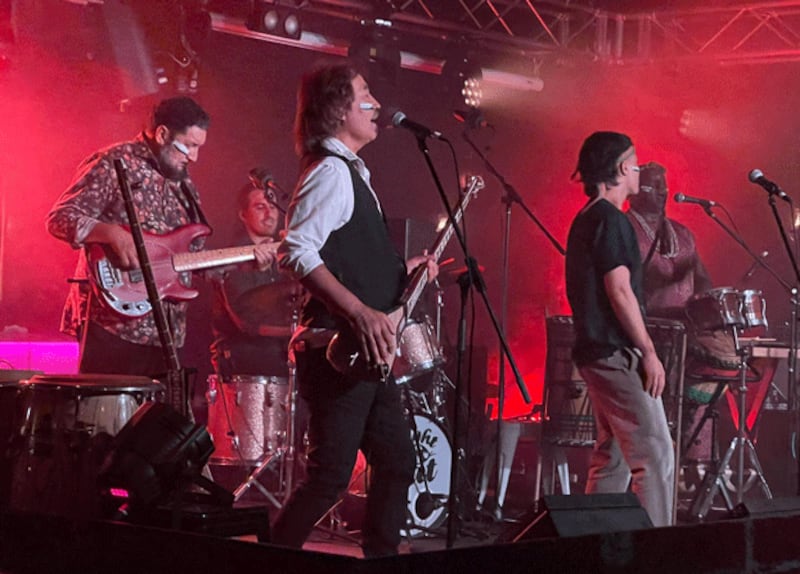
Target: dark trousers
[
  {"x": 346, "y": 415},
  {"x": 102, "y": 352}
]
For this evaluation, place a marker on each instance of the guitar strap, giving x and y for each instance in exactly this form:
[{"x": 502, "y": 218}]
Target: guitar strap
[{"x": 189, "y": 201}]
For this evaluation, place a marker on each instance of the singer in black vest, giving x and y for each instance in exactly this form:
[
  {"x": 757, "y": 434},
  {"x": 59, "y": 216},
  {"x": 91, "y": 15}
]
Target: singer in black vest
[{"x": 338, "y": 246}]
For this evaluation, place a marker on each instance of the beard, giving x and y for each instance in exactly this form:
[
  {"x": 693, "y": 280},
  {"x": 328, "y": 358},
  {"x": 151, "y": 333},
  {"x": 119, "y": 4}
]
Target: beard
[{"x": 169, "y": 169}]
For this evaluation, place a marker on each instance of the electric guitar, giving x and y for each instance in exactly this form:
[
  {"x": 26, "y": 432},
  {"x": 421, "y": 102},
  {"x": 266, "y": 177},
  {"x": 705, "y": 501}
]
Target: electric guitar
[
  {"x": 124, "y": 291},
  {"x": 344, "y": 350}
]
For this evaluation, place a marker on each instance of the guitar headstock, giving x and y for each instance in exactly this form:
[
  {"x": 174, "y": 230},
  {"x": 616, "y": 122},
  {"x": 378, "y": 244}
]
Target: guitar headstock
[{"x": 474, "y": 185}]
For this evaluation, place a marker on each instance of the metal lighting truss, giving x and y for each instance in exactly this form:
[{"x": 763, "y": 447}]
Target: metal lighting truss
[{"x": 562, "y": 30}]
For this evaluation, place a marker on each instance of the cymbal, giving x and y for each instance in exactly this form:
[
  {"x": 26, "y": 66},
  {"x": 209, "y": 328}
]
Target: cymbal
[{"x": 272, "y": 303}]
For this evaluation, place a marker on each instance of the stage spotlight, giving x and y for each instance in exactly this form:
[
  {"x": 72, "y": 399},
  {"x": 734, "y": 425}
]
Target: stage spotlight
[
  {"x": 276, "y": 20},
  {"x": 156, "y": 457},
  {"x": 271, "y": 21},
  {"x": 462, "y": 74},
  {"x": 292, "y": 27}
]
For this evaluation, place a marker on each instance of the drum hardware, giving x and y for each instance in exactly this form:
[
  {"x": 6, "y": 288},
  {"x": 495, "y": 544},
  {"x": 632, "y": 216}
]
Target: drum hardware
[
  {"x": 510, "y": 431},
  {"x": 715, "y": 480},
  {"x": 283, "y": 455}
]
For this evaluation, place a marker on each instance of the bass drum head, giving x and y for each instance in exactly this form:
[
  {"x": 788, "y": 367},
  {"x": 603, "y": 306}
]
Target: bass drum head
[{"x": 429, "y": 493}]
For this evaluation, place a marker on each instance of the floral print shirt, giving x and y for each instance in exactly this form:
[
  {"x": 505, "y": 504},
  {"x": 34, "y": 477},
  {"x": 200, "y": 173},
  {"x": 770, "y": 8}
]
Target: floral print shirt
[{"x": 162, "y": 205}]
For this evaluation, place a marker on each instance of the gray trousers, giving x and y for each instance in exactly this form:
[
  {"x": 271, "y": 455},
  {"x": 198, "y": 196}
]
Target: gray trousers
[{"x": 633, "y": 445}]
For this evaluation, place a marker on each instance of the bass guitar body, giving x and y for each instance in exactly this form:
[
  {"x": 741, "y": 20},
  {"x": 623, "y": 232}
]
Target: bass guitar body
[{"x": 125, "y": 290}]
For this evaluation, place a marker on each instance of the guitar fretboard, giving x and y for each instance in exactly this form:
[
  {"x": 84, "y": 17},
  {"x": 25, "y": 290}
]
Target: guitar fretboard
[
  {"x": 420, "y": 279},
  {"x": 213, "y": 258}
]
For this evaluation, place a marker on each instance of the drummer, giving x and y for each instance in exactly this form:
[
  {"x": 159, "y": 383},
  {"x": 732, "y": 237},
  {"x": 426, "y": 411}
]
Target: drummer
[
  {"x": 673, "y": 274},
  {"x": 252, "y": 308},
  {"x": 673, "y": 271}
]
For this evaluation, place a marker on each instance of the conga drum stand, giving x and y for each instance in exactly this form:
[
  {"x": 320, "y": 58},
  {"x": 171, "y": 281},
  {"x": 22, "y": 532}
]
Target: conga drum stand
[{"x": 741, "y": 443}]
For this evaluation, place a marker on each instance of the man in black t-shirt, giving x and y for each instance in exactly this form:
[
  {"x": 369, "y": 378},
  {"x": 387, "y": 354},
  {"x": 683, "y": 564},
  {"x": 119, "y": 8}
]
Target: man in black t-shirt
[{"x": 613, "y": 351}]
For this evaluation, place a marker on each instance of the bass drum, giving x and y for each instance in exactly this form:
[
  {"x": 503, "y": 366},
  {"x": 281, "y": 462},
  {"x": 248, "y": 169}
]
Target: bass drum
[
  {"x": 430, "y": 491},
  {"x": 427, "y": 495}
]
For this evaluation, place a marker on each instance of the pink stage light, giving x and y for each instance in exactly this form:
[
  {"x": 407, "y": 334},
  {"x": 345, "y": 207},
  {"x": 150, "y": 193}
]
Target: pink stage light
[{"x": 47, "y": 356}]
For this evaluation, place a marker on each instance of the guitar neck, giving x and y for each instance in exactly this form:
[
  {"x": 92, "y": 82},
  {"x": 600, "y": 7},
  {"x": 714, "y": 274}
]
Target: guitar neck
[
  {"x": 195, "y": 261},
  {"x": 420, "y": 278}
]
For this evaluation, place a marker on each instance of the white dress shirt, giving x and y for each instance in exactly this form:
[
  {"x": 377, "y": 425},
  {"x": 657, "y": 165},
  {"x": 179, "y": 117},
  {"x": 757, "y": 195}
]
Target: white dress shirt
[{"x": 322, "y": 203}]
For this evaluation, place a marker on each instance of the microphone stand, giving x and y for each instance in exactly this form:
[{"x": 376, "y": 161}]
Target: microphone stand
[
  {"x": 476, "y": 280},
  {"x": 760, "y": 260},
  {"x": 177, "y": 381},
  {"x": 794, "y": 403},
  {"x": 509, "y": 199}
]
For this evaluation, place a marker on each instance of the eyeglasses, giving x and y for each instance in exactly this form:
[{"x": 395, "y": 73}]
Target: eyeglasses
[
  {"x": 366, "y": 106},
  {"x": 636, "y": 168}
]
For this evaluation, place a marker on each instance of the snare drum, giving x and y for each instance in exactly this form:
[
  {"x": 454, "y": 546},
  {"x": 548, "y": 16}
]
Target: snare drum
[
  {"x": 62, "y": 430},
  {"x": 418, "y": 352},
  {"x": 247, "y": 417}
]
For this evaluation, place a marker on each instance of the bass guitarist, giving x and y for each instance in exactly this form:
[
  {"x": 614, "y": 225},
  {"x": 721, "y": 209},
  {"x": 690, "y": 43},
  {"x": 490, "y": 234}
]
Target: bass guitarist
[
  {"x": 92, "y": 211},
  {"x": 338, "y": 246}
]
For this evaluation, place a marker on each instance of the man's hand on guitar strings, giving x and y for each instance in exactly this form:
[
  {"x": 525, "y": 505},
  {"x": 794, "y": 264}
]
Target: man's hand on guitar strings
[
  {"x": 119, "y": 242},
  {"x": 377, "y": 336},
  {"x": 425, "y": 259},
  {"x": 265, "y": 253}
]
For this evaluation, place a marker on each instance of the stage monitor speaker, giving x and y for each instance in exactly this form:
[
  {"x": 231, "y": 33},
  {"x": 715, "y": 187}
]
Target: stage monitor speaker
[
  {"x": 579, "y": 515},
  {"x": 766, "y": 508}
]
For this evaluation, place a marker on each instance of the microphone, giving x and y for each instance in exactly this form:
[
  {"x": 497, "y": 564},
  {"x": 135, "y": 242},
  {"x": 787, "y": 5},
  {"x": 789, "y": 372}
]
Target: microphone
[
  {"x": 400, "y": 120},
  {"x": 757, "y": 177},
  {"x": 706, "y": 203},
  {"x": 472, "y": 117},
  {"x": 427, "y": 503},
  {"x": 755, "y": 266}
]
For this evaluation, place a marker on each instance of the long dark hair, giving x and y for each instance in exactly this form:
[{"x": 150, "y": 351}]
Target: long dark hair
[{"x": 324, "y": 96}]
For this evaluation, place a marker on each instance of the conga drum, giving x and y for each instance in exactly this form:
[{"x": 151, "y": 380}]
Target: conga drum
[{"x": 63, "y": 428}]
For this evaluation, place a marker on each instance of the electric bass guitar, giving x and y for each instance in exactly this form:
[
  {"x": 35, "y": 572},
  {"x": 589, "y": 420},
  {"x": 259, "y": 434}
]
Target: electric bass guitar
[
  {"x": 124, "y": 291},
  {"x": 344, "y": 350}
]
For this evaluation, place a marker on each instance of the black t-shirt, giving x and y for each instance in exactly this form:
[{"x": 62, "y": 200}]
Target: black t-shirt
[{"x": 600, "y": 240}]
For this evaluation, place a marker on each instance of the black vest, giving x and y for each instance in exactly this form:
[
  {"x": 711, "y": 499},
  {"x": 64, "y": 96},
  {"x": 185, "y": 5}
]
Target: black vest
[{"x": 362, "y": 257}]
